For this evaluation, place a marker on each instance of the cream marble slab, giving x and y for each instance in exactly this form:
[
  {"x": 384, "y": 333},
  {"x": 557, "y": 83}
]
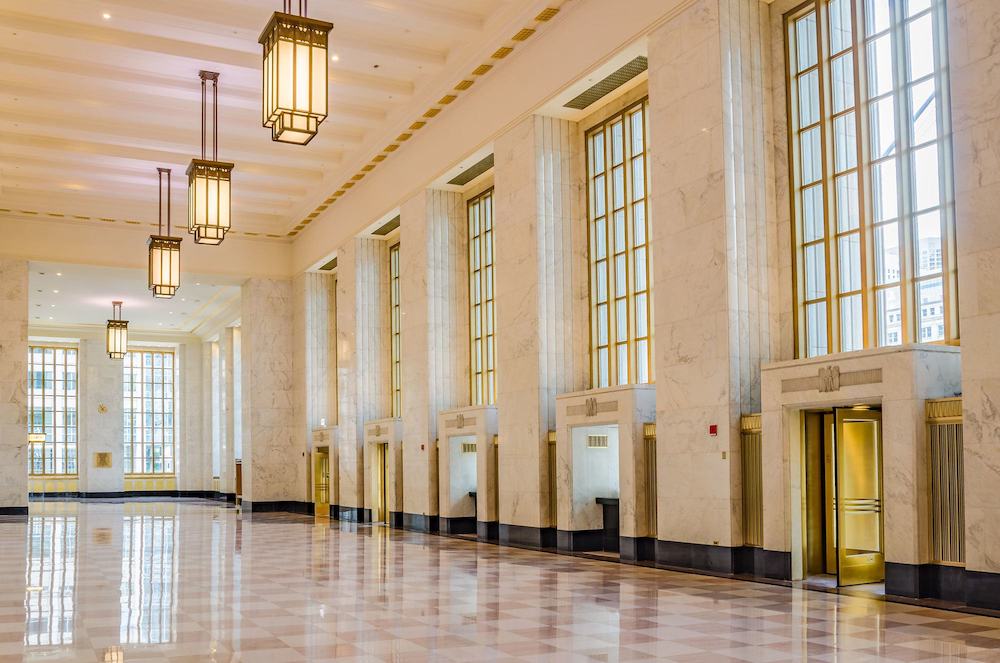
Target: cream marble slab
[{"x": 13, "y": 383}]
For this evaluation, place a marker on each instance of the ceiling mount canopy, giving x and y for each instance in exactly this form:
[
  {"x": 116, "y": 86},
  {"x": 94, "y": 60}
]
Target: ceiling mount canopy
[
  {"x": 164, "y": 251},
  {"x": 117, "y": 333},
  {"x": 295, "y": 74},
  {"x": 209, "y": 193}
]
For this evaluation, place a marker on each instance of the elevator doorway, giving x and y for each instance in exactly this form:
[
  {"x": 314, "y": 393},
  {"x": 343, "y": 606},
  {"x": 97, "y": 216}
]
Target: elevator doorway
[
  {"x": 843, "y": 496},
  {"x": 321, "y": 482},
  {"x": 382, "y": 483}
]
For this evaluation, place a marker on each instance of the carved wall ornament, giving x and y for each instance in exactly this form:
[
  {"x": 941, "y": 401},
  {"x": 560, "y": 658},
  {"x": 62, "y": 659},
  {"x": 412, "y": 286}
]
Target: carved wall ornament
[{"x": 831, "y": 379}]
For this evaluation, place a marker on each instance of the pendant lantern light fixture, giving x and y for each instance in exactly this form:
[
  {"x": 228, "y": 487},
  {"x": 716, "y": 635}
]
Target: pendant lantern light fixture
[
  {"x": 117, "y": 333},
  {"x": 209, "y": 197},
  {"x": 164, "y": 251},
  {"x": 295, "y": 74}
]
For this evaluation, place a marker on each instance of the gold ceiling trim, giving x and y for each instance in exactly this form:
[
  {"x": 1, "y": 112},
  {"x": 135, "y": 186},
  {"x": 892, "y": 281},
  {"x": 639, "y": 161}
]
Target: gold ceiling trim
[
  {"x": 129, "y": 222},
  {"x": 464, "y": 84}
]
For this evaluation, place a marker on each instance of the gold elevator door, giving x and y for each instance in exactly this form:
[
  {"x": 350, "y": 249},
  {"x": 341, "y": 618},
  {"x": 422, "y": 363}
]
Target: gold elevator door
[
  {"x": 858, "y": 467},
  {"x": 382, "y": 463},
  {"x": 321, "y": 482}
]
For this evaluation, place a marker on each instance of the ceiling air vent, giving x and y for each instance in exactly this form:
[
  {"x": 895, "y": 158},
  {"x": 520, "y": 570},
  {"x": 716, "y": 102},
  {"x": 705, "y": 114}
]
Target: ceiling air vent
[
  {"x": 609, "y": 84},
  {"x": 330, "y": 266},
  {"x": 388, "y": 227},
  {"x": 473, "y": 172},
  {"x": 597, "y": 441}
]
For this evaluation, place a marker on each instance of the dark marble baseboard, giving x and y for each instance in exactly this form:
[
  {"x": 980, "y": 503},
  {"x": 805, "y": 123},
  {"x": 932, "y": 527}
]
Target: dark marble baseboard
[
  {"x": 462, "y": 525},
  {"x": 354, "y": 514},
  {"x": 696, "y": 556},
  {"x": 587, "y": 540},
  {"x": 488, "y": 530},
  {"x": 946, "y": 583},
  {"x": 395, "y": 519},
  {"x": 420, "y": 522},
  {"x": 637, "y": 549},
  {"x": 287, "y": 506},
  {"x": 13, "y": 514},
  {"x": 527, "y": 537}
]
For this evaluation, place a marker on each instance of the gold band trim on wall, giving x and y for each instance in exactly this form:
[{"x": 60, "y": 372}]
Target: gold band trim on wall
[
  {"x": 947, "y": 480},
  {"x": 752, "y": 468}
]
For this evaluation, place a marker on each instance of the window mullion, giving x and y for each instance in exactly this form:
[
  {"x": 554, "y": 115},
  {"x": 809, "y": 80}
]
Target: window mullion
[
  {"x": 904, "y": 175},
  {"x": 829, "y": 217}
]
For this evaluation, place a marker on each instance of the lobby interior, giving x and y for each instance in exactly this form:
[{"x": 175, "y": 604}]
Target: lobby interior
[{"x": 406, "y": 330}]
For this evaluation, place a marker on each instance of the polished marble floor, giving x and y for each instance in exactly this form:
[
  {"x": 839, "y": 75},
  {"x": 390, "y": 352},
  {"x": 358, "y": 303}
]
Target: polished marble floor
[{"x": 193, "y": 581}]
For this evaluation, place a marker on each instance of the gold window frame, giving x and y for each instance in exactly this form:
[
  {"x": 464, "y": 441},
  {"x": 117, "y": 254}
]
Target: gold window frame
[
  {"x": 482, "y": 310},
  {"x": 903, "y": 149},
  {"x": 395, "y": 350},
  {"x": 620, "y": 320}
]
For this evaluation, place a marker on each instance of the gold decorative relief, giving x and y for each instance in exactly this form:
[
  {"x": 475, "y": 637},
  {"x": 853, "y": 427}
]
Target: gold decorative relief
[{"x": 102, "y": 459}]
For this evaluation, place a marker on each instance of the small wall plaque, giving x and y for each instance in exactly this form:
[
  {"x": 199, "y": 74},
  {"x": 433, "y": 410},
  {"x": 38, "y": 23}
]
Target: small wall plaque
[{"x": 102, "y": 459}]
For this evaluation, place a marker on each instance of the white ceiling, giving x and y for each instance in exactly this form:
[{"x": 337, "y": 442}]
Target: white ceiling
[
  {"x": 95, "y": 95},
  {"x": 64, "y": 295}
]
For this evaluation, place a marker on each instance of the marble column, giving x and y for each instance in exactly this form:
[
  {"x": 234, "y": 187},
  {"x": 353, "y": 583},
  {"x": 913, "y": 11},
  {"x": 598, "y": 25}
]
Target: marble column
[
  {"x": 362, "y": 322},
  {"x": 975, "y": 103},
  {"x": 709, "y": 189},
  {"x": 274, "y": 459},
  {"x": 541, "y": 309},
  {"x": 13, "y": 387},
  {"x": 227, "y": 474},
  {"x": 434, "y": 335},
  {"x": 100, "y": 382}
]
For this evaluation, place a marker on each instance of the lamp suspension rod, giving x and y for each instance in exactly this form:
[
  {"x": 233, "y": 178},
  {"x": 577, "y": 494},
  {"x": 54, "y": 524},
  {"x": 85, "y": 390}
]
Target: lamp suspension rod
[
  {"x": 215, "y": 118},
  {"x": 159, "y": 209},
  {"x": 116, "y": 310},
  {"x": 203, "y": 118}
]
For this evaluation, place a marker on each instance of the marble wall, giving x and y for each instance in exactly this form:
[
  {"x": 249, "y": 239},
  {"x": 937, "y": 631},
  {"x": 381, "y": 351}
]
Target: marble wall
[
  {"x": 434, "y": 333},
  {"x": 975, "y": 103},
  {"x": 100, "y": 383},
  {"x": 709, "y": 184},
  {"x": 541, "y": 302},
  {"x": 362, "y": 327},
  {"x": 274, "y": 458},
  {"x": 13, "y": 383}
]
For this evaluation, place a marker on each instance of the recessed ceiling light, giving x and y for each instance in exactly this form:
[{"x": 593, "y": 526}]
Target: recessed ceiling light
[
  {"x": 51, "y": 318},
  {"x": 52, "y": 305},
  {"x": 56, "y": 291},
  {"x": 58, "y": 273},
  {"x": 335, "y": 57},
  {"x": 106, "y": 16},
  {"x": 197, "y": 284}
]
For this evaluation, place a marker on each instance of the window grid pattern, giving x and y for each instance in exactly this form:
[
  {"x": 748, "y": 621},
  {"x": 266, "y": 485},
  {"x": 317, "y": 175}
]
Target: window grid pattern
[
  {"x": 147, "y": 585},
  {"x": 397, "y": 377},
  {"x": 620, "y": 287},
  {"x": 51, "y": 575},
  {"x": 872, "y": 177},
  {"x": 52, "y": 408},
  {"x": 149, "y": 412},
  {"x": 482, "y": 351}
]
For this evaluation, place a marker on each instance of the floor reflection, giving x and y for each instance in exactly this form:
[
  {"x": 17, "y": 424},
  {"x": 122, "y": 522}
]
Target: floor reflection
[
  {"x": 109, "y": 582},
  {"x": 50, "y": 594},
  {"x": 148, "y": 587}
]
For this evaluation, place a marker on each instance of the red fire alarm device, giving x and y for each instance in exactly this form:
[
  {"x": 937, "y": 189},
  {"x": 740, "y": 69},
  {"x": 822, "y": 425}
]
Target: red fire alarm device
[{"x": 713, "y": 430}]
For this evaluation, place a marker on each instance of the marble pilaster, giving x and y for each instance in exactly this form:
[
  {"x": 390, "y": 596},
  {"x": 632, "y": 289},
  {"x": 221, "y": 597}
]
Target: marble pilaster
[
  {"x": 362, "y": 323},
  {"x": 100, "y": 383},
  {"x": 541, "y": 303},
  {"x": 13, "y": 385},
  {"x": 973, "y": 26},
  {"x": 709, "y": 199},
  {"x": 434, "y": 334},
  {"x": 274, "y": 458}
]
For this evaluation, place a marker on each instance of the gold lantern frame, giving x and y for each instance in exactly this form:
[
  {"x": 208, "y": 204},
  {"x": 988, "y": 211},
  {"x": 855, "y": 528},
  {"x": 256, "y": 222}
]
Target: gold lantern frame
[
  {"x": 294, "y": 111},
  {"x": 117, "y": 333},
  {"x": 164, "y": 275},
  {"x": 210, "y": 202}
]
